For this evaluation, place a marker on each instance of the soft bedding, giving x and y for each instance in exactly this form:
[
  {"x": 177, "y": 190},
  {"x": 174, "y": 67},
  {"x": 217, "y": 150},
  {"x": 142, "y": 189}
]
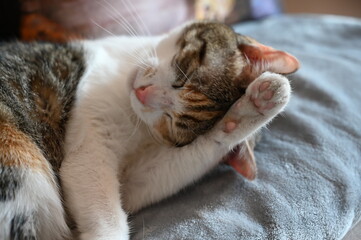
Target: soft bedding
[{"x": 309, "y": 159}]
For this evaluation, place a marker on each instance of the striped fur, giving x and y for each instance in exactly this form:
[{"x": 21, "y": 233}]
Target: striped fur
[
  {"x": 210, "y": 77},
  {"x": 37, "y": 86}
]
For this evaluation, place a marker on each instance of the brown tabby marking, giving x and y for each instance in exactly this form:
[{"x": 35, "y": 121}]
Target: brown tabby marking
[
  {"x": 38, "y": 82},
  {"x": 48, "y": 108},
  {"x": 37, "y": 90},
  {"x": 209, "y": 75},
  {"x": 18, "y": 150}
]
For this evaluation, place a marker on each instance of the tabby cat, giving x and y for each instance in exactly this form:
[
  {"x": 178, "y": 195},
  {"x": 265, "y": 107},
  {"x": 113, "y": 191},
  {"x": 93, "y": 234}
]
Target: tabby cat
[{"x": 123, "y": 122}]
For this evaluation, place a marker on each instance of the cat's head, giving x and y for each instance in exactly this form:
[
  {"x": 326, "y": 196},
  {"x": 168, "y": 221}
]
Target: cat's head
[{"x": 198, "y": 72}]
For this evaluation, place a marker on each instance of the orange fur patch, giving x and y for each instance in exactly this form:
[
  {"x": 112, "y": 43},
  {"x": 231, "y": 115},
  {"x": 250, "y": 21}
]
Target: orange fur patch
[
  {"x": 162, "y": 128},
  {"x": 18, "y": 150},
  {"x": 188, "y": 94}
]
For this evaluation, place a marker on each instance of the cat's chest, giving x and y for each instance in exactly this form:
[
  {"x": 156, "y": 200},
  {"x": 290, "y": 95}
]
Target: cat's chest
[
  {"x": 140, "y": 155},
  {"x": 139, "y": 150}
]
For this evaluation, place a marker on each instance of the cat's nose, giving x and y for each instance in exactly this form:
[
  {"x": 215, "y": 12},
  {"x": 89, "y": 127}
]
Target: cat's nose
[
  {"x": 153, "y": 97},
  {"x": 143, "y": 92}
]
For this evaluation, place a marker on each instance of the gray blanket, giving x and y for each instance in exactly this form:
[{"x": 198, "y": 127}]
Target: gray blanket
[{"x": 309, "y": 159}]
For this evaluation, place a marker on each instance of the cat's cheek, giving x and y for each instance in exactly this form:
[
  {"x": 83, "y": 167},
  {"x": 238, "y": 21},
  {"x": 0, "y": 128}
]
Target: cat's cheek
[
  {"x": 154, "y": 98},
  {"x": 138, "y": 108},
  {"x": 148, "y": 115}
]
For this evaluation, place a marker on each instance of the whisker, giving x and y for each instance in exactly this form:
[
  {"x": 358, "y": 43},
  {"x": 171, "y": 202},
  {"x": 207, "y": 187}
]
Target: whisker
[
  {"x": 138, "y": 58},
  {"x": 134, "y": 33},
  {"x": 137, "y": 18},
  {"x": 117, "y": 17},
  {"x": 137, "y": 124},
  {"x": 135, "y": 54},
  {"x": 152, "y": 135},
  {"x": 103, "y": 28},
  {"x": 114, "y": 13},
  {"x": 139, "y": 21},
  {"x": 136, "y": 64},
  {"x": 185, "y": 75},
  {"x": 182, "y": 71},
  {"x": 191, "y": 91}
]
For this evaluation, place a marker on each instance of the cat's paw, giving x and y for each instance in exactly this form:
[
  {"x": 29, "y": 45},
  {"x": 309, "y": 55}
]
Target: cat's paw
[
  {"x": 265, "y": 97},
  {"x": 269, "y": 93}
]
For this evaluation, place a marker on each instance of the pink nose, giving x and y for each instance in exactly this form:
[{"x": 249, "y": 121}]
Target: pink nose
[{"x": 143, "y": 92}]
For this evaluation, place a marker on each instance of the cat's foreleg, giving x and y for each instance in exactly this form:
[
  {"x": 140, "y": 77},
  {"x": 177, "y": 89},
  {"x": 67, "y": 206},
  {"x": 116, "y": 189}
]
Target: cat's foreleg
[
  {"x": 91, "y": 191},
  {"x": 265, "y": 97},
  {"x": 154, "y": 177}
]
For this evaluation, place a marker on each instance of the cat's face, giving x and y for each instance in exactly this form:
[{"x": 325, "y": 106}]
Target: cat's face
[{"x": 199, "y": 71}]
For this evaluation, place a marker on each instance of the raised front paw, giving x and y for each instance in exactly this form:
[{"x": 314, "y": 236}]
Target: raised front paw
[
  {"x": 265, "y": 97},
  {"x": 269, "y": 93}
]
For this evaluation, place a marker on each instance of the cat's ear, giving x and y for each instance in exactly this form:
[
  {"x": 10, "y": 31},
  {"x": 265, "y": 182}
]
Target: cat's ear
[
  {"x": 264, "y": 58},
  {"x": 243, "y": 161}
]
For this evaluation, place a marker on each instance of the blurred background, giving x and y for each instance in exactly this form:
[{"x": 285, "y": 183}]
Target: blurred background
[
  {"x": 61, "y": 20},
  {"x": 344, "y": 7}
]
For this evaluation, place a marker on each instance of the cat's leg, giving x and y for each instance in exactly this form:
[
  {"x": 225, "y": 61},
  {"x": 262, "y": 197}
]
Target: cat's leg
[
  {"x": 156, "y": 176},
  {"x": 91, "y": 192},
  {"x": 30, "y": 203}
]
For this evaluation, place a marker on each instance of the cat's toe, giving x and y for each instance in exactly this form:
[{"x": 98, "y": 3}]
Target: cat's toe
[
  {"x": 269, "y": 93},
  {"x": 264, "y": 99}
]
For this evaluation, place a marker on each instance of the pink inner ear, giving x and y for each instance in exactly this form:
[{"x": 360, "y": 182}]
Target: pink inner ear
[
  {"x": 270, "y": 59},
  {"x": 243, "y": 160}
]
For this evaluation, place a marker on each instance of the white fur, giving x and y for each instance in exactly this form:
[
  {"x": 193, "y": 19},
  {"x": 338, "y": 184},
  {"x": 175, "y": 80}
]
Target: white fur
[
  {"x": 112, "y": 164},
  {"x": 39, "y": 198}
]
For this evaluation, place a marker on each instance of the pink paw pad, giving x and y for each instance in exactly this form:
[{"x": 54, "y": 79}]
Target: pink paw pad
[
  {"x": 230, "y": 126},
  {"x": 261, "y": 96},
  {"x": 263, "y": 86}
]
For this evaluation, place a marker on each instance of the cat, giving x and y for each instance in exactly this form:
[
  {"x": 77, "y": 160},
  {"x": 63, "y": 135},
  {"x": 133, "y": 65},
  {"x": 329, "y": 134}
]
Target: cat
[{"x": 123, "y": 122}]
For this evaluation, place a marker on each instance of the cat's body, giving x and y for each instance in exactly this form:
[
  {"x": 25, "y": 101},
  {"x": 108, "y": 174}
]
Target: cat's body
[
  {"x": 135, "y": 133},
  {"x": 37, "y": 88}
]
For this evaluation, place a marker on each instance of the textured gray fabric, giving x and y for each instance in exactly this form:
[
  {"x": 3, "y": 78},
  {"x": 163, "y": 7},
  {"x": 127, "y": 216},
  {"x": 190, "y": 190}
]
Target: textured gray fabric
[{"x": 309, "y": 159}]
